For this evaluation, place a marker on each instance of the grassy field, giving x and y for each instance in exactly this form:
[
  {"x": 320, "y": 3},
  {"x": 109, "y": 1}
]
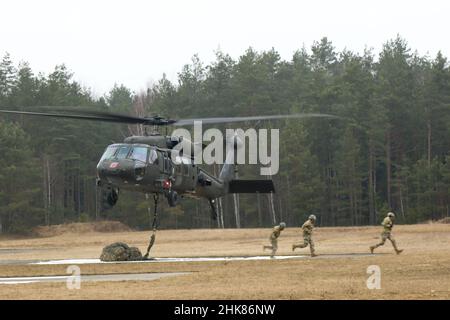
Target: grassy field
[{"x": 422, "y": 271}]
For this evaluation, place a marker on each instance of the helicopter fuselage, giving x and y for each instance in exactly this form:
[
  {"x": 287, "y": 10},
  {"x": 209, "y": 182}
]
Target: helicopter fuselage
[{"x": 149, "y": 169}]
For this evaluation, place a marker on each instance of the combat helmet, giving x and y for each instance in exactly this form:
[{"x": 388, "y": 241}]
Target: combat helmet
[
  {"x": 391, "y": 215},
  {"x": 282, "y": 225},
  {"x": 312, "y": 217}
]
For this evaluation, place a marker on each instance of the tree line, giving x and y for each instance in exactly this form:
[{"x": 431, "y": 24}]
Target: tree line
[{"x": 390, "y": 151}]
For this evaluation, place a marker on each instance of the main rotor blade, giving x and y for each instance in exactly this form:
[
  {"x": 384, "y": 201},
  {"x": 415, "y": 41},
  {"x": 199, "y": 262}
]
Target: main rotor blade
[
  {"x": 96, "y": 115},
  {"x": 155, "y": 120},
  {"x": 90, "y": 115},
  {"x": 187, "y": 122}
]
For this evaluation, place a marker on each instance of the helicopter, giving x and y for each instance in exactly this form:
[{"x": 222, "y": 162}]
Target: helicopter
[{"x": 146, "y": 163}]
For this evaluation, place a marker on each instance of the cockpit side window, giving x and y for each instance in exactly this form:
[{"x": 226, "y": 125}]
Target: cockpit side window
[
  {"x": 153, "y": 158},
  {"x": 139, "y": 153}
]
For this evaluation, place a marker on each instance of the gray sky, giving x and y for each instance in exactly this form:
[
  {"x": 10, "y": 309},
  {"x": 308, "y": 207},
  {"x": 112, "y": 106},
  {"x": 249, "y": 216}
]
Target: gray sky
[{"x": 135, "y": 41}]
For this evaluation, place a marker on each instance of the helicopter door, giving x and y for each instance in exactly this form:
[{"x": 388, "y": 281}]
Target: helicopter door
[
  {"x": 161, "y": 161},
  {"x": 183, "y": 173},
  {"x": 165, "y": 165}
]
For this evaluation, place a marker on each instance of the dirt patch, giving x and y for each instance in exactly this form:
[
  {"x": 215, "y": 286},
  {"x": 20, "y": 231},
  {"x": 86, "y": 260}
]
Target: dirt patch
[{"x": 80, "y": 228}]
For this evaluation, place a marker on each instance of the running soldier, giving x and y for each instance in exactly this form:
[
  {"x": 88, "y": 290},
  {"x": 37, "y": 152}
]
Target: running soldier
[
  {"x": 388, "y": 224},
  {"x": 307, "y": 228},
  {"x": 274, "y": 238}
]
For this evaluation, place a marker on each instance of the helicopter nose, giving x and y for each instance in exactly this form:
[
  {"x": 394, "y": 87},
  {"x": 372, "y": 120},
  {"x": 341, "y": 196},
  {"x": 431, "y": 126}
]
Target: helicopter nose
[{"x": 120, "y": 171}]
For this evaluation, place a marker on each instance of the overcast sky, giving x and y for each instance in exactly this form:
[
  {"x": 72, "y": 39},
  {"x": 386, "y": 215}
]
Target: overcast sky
[{"x": 135, "y": 41}]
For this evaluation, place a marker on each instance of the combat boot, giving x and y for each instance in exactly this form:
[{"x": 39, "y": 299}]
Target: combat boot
[
  {"x": 394, "y": 244},
  {"x": 371, "y": 249},
  {"x": 313, "y": 255},
  {"x": 293, "y": 247}
]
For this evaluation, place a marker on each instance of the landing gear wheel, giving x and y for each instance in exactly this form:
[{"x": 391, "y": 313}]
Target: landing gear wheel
[
  {"x": 212, "y": 203},
  {"x": 113, "y": 196},
  {"x": 172, "y": 198},
  {"x": 109, "y": 197}
]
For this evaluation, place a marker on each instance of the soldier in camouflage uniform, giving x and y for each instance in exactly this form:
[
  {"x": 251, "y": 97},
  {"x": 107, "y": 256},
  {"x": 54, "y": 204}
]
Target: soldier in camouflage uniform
[
  {"x": 274, "y": 238},
  {"x": 307, "y": 228},
  {"x": 388, "y": 224}
]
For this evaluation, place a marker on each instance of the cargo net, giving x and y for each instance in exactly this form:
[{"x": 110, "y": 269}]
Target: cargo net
[{"x": 120, "y": 251}]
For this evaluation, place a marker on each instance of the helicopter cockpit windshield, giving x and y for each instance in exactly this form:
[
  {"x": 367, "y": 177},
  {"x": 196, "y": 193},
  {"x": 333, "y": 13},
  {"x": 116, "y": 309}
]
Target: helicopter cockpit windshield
[
  {"x": 109, "y": 153},
  {"x": 138, "y": 153},
  {"x": 134, "y": 152}
]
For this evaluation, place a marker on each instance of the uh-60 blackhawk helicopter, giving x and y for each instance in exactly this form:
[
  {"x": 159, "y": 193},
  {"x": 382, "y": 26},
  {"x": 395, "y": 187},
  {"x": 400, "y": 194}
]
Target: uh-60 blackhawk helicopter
[{"x": 145, "y": 163}]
